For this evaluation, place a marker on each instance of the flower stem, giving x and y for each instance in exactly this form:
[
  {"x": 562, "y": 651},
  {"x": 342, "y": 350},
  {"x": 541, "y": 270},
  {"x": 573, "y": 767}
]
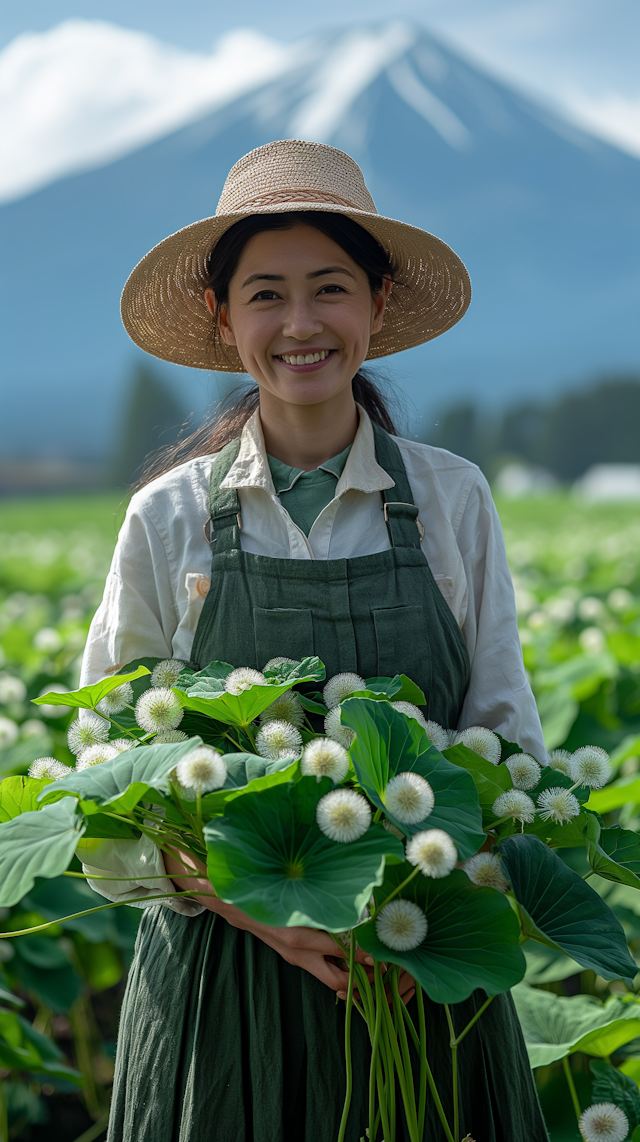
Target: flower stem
[
  {"x": 454, "y": 1072},
  {"x": 471, "y": 1022},
  {"x": 347, "y": 1041},
  {"x": 410, "y": 1101},
  {"x": 395, "y": 892},
  {"x": 572, "y": 1088},
  {"x": 422, "y": 1054},
  {"x": 199, "y": 818},
  {"x": 397, "y": 1058},
  {"x": 99, "y": 908},
  {"x": 374, "y": 1066}
]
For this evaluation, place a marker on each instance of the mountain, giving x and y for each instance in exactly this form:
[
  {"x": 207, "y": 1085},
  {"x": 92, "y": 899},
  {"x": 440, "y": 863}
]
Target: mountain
[{"x": 544, "y": 215}]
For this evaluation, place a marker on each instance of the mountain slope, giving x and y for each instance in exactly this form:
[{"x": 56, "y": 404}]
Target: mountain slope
[{"x": 544, "y": 216}]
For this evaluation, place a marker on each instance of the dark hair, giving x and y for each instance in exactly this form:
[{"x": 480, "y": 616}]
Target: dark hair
[{"x": 228, "y": 420}]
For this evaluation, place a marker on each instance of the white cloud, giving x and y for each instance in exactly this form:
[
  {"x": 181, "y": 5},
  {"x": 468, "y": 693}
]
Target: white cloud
[
  {"x": 615, "y": 117},
  {"x": 86, "y": 93}
]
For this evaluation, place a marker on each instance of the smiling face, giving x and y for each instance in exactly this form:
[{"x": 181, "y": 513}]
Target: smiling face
[{"x": 300, "y": 313}]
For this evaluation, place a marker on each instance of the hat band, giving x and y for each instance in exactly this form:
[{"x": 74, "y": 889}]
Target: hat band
[{"x": 273, "y": 197}]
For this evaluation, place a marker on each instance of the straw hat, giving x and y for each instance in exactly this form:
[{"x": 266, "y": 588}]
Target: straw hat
[{"x": 163, "y": 306}]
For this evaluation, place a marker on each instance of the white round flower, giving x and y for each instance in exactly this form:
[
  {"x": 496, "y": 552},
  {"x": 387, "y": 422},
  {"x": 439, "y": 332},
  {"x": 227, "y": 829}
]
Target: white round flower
[
  {"x": 604, "y": 1122},
  {"x": 344, "y": 735},
  {"x": 286, "y": 708},
  {"x": 12, "y": 690},
  {"x": 560, "y": 759},
  {"x": 590, "y": 766},
  {"x": 433, "y": 852},
  {"x": 279, "y": 739},
  {"x": 8, "y": 733},
  {"x": 48, "y": 767},
  {"x": 167, "y": 672},
  {"x": 169, "y": 737},
  {"x": 123, "y": 745},
  {"x": 486, "y": 869},
  {"x": 324, "y": 757},
  {"x": 558, "y": 805},
  {"x": 48, "y": 641},
  {"x": 33, "y": 728},
  {"x": 89, "y": 730},
  {"x": 243, "y": 679},
  {"x": 408, "y": 798},
  {"x": 401, "y": 925},
  {"x": 438, "y": 736},
  {"x": 96, "y": 754},
  {"x": 481, "y": 741},
  {"x": 273, "y": 663},
  {"x": 524, "y": 769},
  {"x": 340, "y": 687},
  {"x": 343, "y": 815},
  {"x": 514, "y": 803},
  {"x": 158, "y": 709},
  {"x": 117, "y": 700},
  {"x": 411, "y": 711},
  {"x": 202, "y": 770}
]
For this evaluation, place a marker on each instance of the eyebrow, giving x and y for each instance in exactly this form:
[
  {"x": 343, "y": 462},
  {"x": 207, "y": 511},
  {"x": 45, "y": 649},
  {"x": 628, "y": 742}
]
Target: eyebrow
[{"x": 280, "y": 277}]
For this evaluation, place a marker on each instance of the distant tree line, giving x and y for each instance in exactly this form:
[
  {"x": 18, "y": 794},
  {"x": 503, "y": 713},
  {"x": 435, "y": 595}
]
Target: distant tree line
[{"x": 595, "y": 425}]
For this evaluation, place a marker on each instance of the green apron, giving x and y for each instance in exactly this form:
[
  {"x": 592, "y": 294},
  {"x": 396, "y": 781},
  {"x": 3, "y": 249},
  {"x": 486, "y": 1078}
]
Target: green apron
[{"x": 220, "y": 1039}]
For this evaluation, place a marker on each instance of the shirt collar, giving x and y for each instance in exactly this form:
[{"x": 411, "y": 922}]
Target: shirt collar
[{"x": 361, "y": 472}]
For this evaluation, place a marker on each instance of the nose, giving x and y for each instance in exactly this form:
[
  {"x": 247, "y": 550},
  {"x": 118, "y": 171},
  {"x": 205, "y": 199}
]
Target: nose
[{"x": 300, "y": 322}]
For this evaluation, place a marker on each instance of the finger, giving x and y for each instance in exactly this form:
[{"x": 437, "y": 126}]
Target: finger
[{"x": 406, "y": 982}]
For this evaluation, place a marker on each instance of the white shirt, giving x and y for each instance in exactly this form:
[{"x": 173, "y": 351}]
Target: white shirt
[{"x": 160, "y": 572}]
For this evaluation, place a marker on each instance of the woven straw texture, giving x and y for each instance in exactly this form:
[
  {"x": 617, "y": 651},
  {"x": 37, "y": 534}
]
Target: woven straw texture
[{"x": 163, "y": 307}]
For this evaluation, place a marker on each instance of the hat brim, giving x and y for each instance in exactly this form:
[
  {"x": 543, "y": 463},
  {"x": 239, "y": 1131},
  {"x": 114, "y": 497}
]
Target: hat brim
[{"x": 164, "y": 311}]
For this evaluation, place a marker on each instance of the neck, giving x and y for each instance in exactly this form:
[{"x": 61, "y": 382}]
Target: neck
[{"x": 304, "y": 436}]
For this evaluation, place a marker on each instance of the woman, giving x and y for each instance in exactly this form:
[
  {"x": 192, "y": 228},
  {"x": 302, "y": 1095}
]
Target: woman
[{"x": 329, "y": 535}]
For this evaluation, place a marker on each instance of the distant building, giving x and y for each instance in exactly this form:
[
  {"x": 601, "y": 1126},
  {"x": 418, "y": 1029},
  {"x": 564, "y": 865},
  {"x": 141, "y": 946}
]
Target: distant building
[{"x": 609, "y": 482}]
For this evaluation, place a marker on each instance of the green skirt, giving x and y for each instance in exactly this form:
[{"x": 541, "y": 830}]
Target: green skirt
[{"x": 220, "y": 1039}]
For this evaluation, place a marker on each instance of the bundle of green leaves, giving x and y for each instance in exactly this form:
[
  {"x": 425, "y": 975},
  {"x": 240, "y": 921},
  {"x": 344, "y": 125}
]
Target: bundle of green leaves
[{"x": 435, "y": 851}]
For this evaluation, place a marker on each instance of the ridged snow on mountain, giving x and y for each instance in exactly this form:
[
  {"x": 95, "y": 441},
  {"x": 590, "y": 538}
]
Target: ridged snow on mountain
[{"x": 544, "y": 215}]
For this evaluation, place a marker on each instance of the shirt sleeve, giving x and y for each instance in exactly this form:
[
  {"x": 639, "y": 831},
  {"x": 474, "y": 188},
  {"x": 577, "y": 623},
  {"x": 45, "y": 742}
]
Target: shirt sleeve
[
  {"x": 138, "y": 614},
  {"x": 136, "y": 619},
  {"x": 499, "y": 695}
]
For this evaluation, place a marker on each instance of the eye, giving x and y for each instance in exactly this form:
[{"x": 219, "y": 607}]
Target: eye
[
  {"x": 265, "y": 295},
  {"x": 332, "y": 289}
]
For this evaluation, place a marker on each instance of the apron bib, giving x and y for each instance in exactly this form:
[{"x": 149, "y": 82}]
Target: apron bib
[
  {"x": 220, "y": 1039},
  {"x": 373, "y": 615}
]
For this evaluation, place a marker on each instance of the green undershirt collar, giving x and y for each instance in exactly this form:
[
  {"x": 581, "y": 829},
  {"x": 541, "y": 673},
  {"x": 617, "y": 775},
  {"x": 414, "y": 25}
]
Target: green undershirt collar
[{"x": 306, "y": 494}]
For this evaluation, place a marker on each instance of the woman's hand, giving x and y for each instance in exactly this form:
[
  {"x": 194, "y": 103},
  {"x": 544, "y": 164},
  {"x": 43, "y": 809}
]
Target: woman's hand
[{"x": 309, "y": 948}]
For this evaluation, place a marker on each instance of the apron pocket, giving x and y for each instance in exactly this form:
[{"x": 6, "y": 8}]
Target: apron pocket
[
  {"x": 403, "y": 644},
  {"x": 282, "y": 632}
]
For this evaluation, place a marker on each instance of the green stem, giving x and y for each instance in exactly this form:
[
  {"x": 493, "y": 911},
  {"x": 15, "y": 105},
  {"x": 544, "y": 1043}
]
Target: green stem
[
  {"x": 572, "y": 1088},
  {"x": 422, "y": 1054},
  {"x": 83, "y": 1048},
  {"x": 99, "y": 908},
  {"x": 395, "y": 892},
  {"x": 409, "y": 1022},
  {"x": 477, "y": 1015},
  {"x": 90, "y": 876},
  {"x": 397, "y": 1058},
  {"x": 375, "y": 1045},
  {"x": 494, "y": 824},
  {"x": 376, "y": 816},
  {"x": 4, "y": 1123},
  {"x": 410, "y": 1101},
  {"x": 454, "y": 1071},
  {"x": 388, "y": 1098},
  {"x": 234, "y": 742},
  {"x": 199, "y": 818},
  {"x": 586, "y": 875},
  {"x": 347, "y": 1041}
]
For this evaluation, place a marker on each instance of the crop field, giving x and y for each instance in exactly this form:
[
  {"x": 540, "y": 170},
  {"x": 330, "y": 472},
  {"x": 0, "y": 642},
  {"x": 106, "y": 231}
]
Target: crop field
[{"x": 576, "y": 572}]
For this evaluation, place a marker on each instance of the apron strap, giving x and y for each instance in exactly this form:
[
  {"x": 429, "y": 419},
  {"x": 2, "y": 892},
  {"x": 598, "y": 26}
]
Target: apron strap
[
  {"x": 400, "y": 512},
  {"x": 224, "y": 522}
]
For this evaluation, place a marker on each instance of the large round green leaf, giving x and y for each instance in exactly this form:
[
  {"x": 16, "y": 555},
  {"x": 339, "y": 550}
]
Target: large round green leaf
[
  {"x": 556, "y": 1025},
  {"x": 613, "y": 853},
  {"x": 89, "y": 696},
  {"x": 472, "y": 940},
  {"x": 387, "y": 742},
  {"x": 20, "y": 795},
  {"x": 564, "y": 910},
  {"x": 268, "y": 856},
  {"x": 490, "y": 780},
  {"x": 122, "y": 782},
  {"x": 35, "y": 844}
]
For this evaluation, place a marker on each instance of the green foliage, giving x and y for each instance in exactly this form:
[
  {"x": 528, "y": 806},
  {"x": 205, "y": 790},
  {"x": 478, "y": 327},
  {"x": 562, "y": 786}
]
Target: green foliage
[
  {"x": 611, "y": 1085},
  {"x": 89, "y": 696},
  {"x": 556, "y": 1025},
  {"x": 35, "y": 844},
  {"x": 268, "y": 857},
  {"x": 472, "y": 939},
  {"x": 560, "y": 909},
  {"x": 387, "y": 743},
  {"x": 22, "y": 1048}
]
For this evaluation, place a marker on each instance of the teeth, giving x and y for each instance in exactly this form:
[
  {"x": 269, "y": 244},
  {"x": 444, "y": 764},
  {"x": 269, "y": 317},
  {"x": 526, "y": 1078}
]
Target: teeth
[{"x": 307, "y": 359}]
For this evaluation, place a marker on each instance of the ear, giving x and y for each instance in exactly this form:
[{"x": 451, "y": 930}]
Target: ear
[
  {"x": 224, "y": 324},
  {"x": 380, "y": 304}
]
